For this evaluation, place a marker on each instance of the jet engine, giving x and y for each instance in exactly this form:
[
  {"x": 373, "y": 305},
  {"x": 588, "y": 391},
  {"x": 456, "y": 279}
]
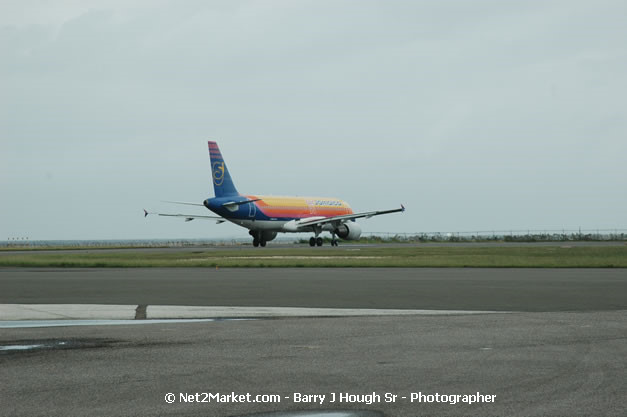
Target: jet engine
[{"x": 348, "y": 231}]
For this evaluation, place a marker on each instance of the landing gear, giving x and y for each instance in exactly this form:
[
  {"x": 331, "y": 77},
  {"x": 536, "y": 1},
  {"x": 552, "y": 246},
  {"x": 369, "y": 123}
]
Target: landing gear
[
  {"x": 333, "y": 239},
  {"x": 317, "y": 241},
  {"x": 258, "y": 239}
]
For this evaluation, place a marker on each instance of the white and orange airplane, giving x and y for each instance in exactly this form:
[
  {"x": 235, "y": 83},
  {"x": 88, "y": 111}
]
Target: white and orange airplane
[{"x": 265, "y": 216}]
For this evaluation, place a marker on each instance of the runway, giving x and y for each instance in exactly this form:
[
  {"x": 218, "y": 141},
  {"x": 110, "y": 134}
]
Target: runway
[
  {"x": 559, "y": 350},
  {"x": 387, "y": 288}
]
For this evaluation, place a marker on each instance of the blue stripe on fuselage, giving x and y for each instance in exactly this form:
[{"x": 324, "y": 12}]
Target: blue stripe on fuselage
[{"x": 242, "y": 212}]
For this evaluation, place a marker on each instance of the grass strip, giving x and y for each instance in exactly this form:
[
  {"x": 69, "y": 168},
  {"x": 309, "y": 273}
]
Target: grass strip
[{"x": 466, "y": 257}]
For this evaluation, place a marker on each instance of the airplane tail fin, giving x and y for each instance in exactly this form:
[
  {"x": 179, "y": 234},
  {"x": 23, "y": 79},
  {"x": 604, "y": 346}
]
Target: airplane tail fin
[{"x": 222, "y": 184}]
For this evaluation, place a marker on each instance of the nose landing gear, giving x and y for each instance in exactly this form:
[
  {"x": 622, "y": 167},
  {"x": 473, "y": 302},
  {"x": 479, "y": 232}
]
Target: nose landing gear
[{"x": 333, "y": 239}]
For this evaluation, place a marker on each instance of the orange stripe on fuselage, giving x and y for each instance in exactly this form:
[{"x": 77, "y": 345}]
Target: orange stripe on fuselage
[{"x": 301, "y": 207}]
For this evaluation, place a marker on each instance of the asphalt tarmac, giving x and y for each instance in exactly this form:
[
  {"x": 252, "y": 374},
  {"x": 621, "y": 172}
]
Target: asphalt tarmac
[
  {"x": 536, "y": 364},
  {"x": 392, "y": 288},
  {"x": 558, "y": 350}
]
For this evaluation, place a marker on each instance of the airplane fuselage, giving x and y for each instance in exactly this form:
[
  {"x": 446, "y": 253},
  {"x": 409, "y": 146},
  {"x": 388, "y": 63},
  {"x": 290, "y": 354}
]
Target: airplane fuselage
[{"x": 275, "y": 213}]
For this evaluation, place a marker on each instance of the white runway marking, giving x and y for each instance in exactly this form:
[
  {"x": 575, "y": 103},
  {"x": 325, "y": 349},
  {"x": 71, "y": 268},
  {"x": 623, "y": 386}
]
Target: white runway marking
[
  {"x": 19, "y": 324},
  {"x": 48, "y": 315},
  {"x": 19, "y": 347}
]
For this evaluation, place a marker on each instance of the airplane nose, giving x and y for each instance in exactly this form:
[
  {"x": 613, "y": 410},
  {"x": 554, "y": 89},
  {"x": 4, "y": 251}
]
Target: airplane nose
[{"x": 206, "y": 203}]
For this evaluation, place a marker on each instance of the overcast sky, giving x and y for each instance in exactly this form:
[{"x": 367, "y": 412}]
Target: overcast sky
[{"x": 477, "y": 115}]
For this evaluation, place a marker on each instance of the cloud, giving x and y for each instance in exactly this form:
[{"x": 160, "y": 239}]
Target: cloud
[{"x": 497, "y": 114}]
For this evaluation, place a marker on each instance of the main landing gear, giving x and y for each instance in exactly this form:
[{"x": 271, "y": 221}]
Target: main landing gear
[
  {"x": 317, "y": 241},
  {"x": 258, "y": 239}
]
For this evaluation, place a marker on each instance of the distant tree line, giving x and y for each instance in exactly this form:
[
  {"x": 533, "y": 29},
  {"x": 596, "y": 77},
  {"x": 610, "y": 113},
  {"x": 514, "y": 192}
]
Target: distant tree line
[{"x": 577, "y": 236}]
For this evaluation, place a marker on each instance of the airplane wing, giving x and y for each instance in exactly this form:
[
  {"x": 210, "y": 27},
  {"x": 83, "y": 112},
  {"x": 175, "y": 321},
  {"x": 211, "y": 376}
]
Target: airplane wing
[
  {"x": 183, "y": 203},
  {"x": 346, "y": 217},
  {"x": 230, "y": 204},
  {"x": 187, "y": 217}
]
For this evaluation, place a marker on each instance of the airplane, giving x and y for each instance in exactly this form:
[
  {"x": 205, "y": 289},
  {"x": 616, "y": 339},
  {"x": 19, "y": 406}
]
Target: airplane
[{"x": 266, "y": 216}]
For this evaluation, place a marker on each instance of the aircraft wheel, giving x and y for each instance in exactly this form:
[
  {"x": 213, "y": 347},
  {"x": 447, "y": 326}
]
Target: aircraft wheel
[
  {"x": 319, "y": 241},
  {"x": 334, "y": 242},
  {"x": 255, "y": 242},
  {"x": 312, "y": 242},
  {"x": 262, "y": 243}
]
